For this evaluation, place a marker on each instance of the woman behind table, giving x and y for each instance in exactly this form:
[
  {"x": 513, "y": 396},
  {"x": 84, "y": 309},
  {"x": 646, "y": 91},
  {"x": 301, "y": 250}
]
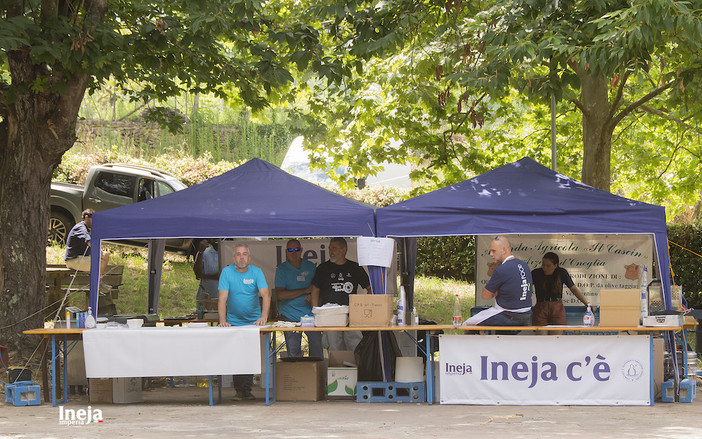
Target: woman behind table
[{"x": 548, "y": 283}]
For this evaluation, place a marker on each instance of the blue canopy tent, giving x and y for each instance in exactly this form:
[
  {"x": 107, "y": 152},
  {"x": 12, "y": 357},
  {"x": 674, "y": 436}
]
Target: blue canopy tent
[
  {"x": 527, "y": 198},
  {"x": 255, "y": 199}
]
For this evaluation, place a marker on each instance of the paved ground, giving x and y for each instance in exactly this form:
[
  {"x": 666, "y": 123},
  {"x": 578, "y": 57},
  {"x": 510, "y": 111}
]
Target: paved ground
[{"x": 183, "y": 412}]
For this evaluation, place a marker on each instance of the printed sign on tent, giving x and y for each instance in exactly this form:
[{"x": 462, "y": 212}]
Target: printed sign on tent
[{"x": 594, "y": 262}]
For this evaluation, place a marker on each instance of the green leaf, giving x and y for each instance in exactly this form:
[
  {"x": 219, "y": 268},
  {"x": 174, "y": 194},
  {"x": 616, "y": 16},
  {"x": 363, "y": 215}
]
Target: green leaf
[{"x": 332, "y": 386}]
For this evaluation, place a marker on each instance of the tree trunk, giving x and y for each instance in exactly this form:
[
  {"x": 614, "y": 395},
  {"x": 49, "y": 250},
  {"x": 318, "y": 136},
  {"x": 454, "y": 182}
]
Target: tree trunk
[
  {"x": 597, "y": 132},
  {"x": 38, "y": 129}
]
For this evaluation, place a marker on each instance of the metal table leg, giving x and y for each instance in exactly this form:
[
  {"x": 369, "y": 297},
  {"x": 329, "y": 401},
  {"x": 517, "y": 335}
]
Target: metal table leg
[
  {"x": 53, "y": 370},
  {"x": 430, "y": 370}
]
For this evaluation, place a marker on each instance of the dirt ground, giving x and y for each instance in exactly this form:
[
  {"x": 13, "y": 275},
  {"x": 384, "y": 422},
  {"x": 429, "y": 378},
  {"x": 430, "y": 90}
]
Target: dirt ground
[{"x": 184, "y": 412}]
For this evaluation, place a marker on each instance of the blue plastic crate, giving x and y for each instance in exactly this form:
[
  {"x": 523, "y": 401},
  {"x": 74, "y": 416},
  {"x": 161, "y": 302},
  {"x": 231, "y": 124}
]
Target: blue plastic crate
[
  {"x": 668, "y": 391},
  {"x": 390, "y": 392},
  {"x": 687, "y": 390},
  {"x": 23, "y": 393}
]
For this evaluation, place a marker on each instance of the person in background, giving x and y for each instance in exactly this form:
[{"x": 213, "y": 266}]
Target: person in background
[
  {"x": 334, "y": 280},
  {"x": 78, "y": 247},
  {"x": 293, "y": 286},
  {"x": 548, "y": 282},
  {"x": 511, "y": 287},
  {"x": 240, "y": 285},
  {"x": 206, "y": 270}
]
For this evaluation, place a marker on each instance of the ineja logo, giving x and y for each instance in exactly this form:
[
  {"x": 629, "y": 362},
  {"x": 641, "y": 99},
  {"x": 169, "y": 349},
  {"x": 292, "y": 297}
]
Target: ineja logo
[
  {"x": 80, "y": 416},
  {"x": 458, "y": 369}
]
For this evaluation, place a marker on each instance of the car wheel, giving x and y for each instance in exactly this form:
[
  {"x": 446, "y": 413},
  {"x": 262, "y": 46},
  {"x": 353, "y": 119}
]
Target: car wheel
[{"x": 59, "y": 226}]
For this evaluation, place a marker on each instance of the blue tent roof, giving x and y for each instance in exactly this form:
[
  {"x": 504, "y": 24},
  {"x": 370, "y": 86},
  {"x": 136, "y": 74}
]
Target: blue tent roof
[
  {"x": 254, "y": 199},
  {"x": 525, "y": 197}
]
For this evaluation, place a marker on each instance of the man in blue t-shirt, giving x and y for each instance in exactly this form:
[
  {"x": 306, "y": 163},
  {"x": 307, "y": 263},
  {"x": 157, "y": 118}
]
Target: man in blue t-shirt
[
  {"x": 240, "y": 284},
  {"x": 293, "y": 279},
  {"x": 511, "y": 287}
]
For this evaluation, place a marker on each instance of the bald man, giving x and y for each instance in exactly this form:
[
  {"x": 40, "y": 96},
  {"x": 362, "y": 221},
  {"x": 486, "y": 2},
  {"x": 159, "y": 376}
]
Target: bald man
[{"x": 511, "y": 287}]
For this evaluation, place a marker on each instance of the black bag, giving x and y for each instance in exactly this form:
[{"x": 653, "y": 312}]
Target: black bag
[{"x": 368, "y": 356}]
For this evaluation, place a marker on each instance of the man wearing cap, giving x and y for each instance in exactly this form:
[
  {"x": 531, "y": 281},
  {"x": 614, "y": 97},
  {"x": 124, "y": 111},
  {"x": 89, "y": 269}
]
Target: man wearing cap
[{"x": 293, "y": 287}]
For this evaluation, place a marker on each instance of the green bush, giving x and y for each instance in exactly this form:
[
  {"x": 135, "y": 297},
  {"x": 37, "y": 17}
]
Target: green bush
[
  {"x": 687, "y": 266},
  {"x": 447, "y": 257}
]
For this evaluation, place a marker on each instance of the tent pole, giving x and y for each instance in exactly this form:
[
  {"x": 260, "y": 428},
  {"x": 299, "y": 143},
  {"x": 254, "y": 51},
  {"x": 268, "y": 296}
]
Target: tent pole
[{"x": 155, "y": 264}]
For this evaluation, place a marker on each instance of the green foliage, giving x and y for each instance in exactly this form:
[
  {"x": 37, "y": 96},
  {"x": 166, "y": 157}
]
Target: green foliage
[
  {"x": 466, "y": 90},
  {"x": 434, "y": 297},
  {"x": 380, "y": 196},
  {"x": 447, "y": 257},
  {"x": 74, "y": 168},
  {"x": 686, "y": 265}
]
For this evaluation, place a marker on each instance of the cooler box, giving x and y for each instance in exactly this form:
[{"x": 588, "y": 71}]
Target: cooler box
[
  {"x": 342, "y": 375},
  {"x": 331, "y": 315}
]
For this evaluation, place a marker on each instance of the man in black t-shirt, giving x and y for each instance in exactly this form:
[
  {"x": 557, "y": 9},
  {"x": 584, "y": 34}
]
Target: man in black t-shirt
[{"x": 333, "y": 281}]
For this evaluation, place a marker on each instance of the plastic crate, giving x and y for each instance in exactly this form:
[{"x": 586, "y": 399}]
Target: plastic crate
[
  {"x": 23, "y": 393},
  {"x": 390, "y": 392}
]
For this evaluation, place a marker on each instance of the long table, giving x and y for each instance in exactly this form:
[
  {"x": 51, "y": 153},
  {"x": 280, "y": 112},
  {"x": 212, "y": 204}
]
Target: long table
[
  {"x": 272, "y": 349},
  {"x": 57, "y": 348},
  {"x": 167, "y": 351},
  {"x": 127, "y": 347}
]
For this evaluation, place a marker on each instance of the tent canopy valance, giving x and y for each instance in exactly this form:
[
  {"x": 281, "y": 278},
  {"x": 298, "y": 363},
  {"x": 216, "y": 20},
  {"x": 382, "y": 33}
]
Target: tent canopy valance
[
  {"x": 255, "y": 199},
  {"x": 525, "y": 197}
]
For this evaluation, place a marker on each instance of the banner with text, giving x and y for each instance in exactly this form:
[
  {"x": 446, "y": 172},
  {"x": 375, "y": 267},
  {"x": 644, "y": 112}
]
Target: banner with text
[
  {"x": 594, "y": 262},
  {"x": 540, "y": 370}
]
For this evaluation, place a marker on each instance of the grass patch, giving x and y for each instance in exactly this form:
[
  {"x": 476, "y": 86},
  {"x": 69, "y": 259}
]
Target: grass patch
[
  {"x": 434, "y": 297},
  {"x": 178, "y": 283}
]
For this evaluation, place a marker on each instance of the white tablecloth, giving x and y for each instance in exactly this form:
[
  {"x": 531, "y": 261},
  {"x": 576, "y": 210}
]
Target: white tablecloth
[{"x": 171, "y": 351}]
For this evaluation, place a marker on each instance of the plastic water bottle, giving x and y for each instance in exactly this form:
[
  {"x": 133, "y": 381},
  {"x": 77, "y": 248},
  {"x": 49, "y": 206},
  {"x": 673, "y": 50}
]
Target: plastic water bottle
[
  {"x": 457, "y": 315},
  {"x": 89, "y": 319},
  {"x": 644, "y": 294},
  {"x": 401, "y": 305},
  {"x": 415, "y": 317},
  {"x": 589, "y": 317}
]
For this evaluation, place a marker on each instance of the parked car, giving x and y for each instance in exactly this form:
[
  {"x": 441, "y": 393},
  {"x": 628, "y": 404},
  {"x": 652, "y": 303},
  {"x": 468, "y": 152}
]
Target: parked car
[{"x": 108, "y": 186}]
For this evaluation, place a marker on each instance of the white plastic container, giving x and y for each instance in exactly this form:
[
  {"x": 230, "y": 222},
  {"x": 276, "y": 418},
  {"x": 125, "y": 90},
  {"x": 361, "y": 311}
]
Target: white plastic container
[
  {"x": 331, "y": 315},
  {"x": 135, "y": 323},
  {"x": 409, "y": 369}
]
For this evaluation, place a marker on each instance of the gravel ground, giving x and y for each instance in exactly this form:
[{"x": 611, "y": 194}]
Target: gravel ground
[{"x": 183, "y": 412}]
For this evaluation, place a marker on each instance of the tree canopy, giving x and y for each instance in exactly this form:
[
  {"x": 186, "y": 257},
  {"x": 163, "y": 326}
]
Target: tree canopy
[
  {"x": 52, "y": 52},
  {"x": 465, "y": 86}
]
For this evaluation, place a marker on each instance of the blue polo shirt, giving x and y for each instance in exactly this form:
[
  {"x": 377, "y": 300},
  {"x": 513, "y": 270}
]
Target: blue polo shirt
[
  {"x": 243, "y": 307},
  {"x": 512, "y": 281},
  {"x": 291, "y": 278}
]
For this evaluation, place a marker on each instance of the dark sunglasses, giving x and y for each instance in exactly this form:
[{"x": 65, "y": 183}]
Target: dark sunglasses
[
  {"x": 296, "y": 249},
  {"x": 89, "y": 215}
]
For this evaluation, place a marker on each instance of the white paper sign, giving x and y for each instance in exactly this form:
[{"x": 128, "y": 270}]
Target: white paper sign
[
  {"x": 545, "y": 370},
  {"x": 375, "y": 251},
  {"x": 594, "y": 262}
]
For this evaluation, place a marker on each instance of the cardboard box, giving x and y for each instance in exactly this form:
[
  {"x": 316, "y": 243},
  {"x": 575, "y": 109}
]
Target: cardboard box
[
  {"x": 301, "y": 379},
  {"x": 100, "y": 390},
  {"x": 342, "y": 375},
  {"x": 342, "y": 359},
  {"x": 620, "y": 307},
  {"x": 370, "y": 309},
  {"x": 342, "y": 381},
  {"x": 126, "y": 390}
]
